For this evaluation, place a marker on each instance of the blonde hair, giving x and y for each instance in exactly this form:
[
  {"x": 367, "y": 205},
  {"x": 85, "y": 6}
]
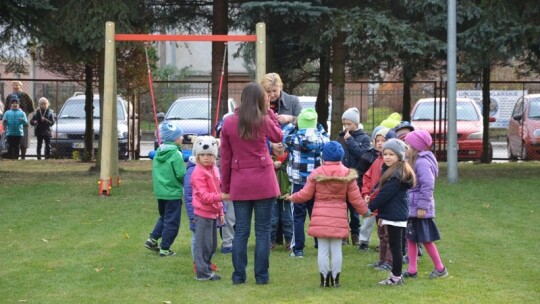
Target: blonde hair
[
  {"x": 412, "y": 157},
  {"x": 16, "y": 82},
  {"x": 271, "y": 80}
]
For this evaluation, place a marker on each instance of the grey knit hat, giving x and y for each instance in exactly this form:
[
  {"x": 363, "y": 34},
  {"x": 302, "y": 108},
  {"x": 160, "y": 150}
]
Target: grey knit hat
[
  {"x": 352, "y": 114},
  {"x": 398, "y": 146}
]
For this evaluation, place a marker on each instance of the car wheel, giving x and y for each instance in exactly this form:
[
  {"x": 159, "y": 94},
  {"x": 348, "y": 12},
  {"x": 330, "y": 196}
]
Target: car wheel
[
  {"x": 523, "y": 151},
  {"x": 511, "y": 156}
]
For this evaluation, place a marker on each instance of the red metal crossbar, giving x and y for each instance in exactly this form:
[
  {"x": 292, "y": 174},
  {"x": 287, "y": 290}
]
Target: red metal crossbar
[{"x": 148, "y": 37}]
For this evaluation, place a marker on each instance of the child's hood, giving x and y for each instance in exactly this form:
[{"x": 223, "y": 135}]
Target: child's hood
[
  {"x": 324, "y": 176},
  {"x": 165, "y": 151},
  {"x": 428, "y": 155}
]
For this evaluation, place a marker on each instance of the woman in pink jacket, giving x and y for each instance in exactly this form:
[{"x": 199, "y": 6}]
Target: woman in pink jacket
[
  {"x": 248, "y": 176},
  {"x": 333, "y": 185}
]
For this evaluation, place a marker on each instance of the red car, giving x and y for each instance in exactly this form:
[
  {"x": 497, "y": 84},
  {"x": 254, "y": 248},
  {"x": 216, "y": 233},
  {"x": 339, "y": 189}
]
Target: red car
[
  {"x": 523, "y": 139},
  {"x": 430, "y": 115}
]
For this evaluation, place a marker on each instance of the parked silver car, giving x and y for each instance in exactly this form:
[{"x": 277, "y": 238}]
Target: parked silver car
[{"x": 68, "y": 132}]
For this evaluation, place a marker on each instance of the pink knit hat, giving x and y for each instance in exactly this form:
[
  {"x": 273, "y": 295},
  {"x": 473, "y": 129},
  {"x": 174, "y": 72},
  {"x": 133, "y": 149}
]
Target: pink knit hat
[{"x": 420, "y": 140}]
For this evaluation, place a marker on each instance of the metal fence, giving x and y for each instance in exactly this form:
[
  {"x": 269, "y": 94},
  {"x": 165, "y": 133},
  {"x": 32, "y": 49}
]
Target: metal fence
[{"x": 375, "y": 100}]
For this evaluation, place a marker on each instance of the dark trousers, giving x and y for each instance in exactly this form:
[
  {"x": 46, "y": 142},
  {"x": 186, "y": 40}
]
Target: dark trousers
[
  {"x": 395, "y": 236},
  {"x": 299, "y": 216},
  {"x": 13, "y": 146},
  {"x": 354, "y": 220},
  {"x": 40, "y": 140},
  {"x": 168, "y": 222},
  {"x": 205, "y": 246}
]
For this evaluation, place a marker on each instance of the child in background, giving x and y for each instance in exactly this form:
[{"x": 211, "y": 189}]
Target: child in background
[
  {"x": 14, "y": 120},
  {"x": 420, "y": 227},
  {"x": 282, "y": 208},
  {"x": 207, "y": 201},
  {"x": 355, "y": 142},
  {"x": 403, "y": 129},
  {"x": 304, "y": 146},
  {"x": 370, "y": 189},
  {"x": 168, "y": 170},
  {"x": 332, "y": 185},
  {"x": 392, "y": 202},
  {"x": 43, "y": 120}
]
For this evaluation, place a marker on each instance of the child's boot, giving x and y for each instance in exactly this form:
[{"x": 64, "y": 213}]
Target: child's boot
[
  {"x": 322, "y": 279},
  {"x": 336, "y": 281},
  {"x": 329, "y": 280}
]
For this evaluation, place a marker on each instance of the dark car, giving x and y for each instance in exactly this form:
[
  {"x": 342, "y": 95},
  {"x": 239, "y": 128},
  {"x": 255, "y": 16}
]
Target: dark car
[{"x": 523, "y": 139}]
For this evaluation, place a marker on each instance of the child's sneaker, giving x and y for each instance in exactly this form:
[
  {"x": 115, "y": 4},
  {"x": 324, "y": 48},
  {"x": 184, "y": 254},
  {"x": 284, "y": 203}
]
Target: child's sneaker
[
  {"x": 407, "y": 274},
  {"x": 363, "y": 247},
  {"x": 226, "y": 250},
  {"x": 384, "y": 267},
  {"x": 165, "y": 253},
  {"x": 438, "y": 274},
  {"x": 297, "y": 254},
  {"x": 215, "y": 277},
  {"x": 152, "y": 245},
  {"x": 392, "y": 281}
]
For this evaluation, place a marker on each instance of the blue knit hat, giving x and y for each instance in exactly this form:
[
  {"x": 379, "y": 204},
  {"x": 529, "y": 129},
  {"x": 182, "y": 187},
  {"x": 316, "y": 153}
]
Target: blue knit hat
[
  {"x": 170, "y": 132},
  {"x": 332, "y": 151}
]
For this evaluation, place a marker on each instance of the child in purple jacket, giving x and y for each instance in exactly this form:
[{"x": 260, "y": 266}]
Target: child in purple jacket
[{"x": 420, "y": 227}]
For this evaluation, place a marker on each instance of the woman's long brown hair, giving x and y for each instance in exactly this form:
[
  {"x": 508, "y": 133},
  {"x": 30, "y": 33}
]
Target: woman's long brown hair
[{"x": 251, "y": 111}]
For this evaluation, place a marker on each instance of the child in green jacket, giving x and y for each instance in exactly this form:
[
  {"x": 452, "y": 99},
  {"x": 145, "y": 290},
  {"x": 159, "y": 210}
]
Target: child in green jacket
[{"x": 168, "y": 170}]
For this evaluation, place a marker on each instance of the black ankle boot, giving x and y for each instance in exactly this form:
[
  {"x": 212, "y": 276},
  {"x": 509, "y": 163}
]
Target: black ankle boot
[
  {"x": 322, "y": 279},
  {"x": 329, "y": 280},
  {"x": 336, "y": 281}
]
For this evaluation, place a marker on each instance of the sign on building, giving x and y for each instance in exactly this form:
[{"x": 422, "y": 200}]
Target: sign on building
[{"x": 500, "y": 106}]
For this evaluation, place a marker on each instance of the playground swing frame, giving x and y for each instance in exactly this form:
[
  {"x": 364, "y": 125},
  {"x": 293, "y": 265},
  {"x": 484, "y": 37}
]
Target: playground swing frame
[{"x": 109, "y": 173}]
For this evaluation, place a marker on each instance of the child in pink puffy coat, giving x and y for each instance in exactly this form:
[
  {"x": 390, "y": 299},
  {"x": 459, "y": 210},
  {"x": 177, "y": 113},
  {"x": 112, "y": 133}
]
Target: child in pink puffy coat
[{"x": 331, "y": 185}]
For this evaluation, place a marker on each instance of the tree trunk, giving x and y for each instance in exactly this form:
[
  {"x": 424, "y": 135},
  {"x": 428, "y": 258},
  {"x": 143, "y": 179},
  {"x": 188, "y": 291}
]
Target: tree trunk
[
  {"x": 486, "y": 78},
  {"x": 407, "y": 82},
  {"x": 321, "y": 104},
  {"x": 338, "y": 81},
  {"x": 219, "y": 64},
  {"x": 89, "y": 117}
]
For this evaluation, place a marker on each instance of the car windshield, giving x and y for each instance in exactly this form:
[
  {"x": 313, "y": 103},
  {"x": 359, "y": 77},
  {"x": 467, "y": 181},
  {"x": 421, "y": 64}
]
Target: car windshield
[
  {"x": 534, "y": 108},
  {"x": 74, "y": 109},
  {"x": 425, "y": 111},
  {"x": 188, "y": 109}
]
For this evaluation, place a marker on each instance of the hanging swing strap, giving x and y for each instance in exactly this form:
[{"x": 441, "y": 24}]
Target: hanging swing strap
[
  {"x": 151, "y": 85},
  {"x": 220, "y": 87}
]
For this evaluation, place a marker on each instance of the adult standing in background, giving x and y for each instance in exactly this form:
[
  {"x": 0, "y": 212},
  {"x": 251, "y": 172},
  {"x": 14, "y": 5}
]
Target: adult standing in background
[
  {"x": 286, "y": 106},
  {"x": 27, "y": 105},
  {"x": 248, "y": 176}
]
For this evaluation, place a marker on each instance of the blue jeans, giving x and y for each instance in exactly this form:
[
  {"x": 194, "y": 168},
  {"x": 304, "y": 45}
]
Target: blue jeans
[
  {"x": 299, "y": 214},
  {"x": 282, "y": 211},
  {"x": 168, "y": 222},
  {"x": 263, "y": 213}
]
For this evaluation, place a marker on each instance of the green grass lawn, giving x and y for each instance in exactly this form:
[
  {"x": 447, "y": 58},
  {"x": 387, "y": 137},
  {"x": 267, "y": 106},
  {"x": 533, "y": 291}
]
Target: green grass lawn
[{"x": 63, "y": 243}]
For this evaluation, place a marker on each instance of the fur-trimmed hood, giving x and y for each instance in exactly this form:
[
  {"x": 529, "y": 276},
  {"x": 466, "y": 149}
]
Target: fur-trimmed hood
[{"x": 322, "y": 178}]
